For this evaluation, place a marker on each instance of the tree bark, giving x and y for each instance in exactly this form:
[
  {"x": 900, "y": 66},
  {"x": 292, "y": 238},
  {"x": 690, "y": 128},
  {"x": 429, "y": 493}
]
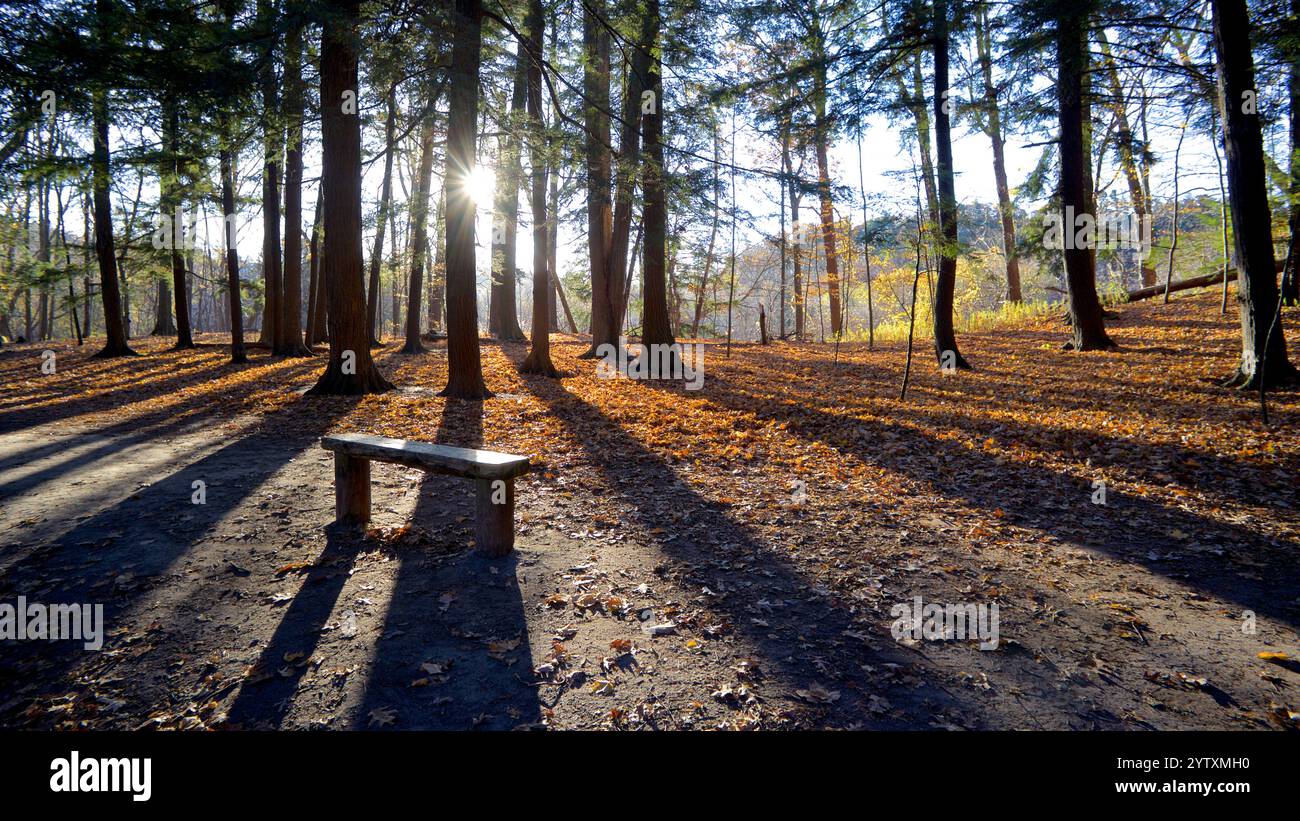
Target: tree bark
[
  {"x": 87, "y": 314},
  {"x": 553, "y": 236},
  {"x": 1263, "y": 354},
  {"x": 821, "y": 131},
  {"x": 419, "y": 238},
  {"x": 655, "y": 326},
  {"x": 237, "y": 352},
  {"x": 921, "y": 115},
  {"x": 796, "y": 255},
  {"x": 945, "y": 337},
  {"x": 538, "y": 360},
  {"x": 505, "y": 254},
  {"x": 162, "y": 321},
  {"x": 1290, "y": 280},
  {"x": 289, "y": 341},
  {"x": 317, "y": 321},
  {"x": 1124, "y": 145},
  {"x": 713, "y": 232},
  {"x": 272, "y": 147},
  {"x": 350, "y": 369},
  {"x": 599, "y": 164},
  {"x": 993, "y": 114},
  {"x": 114, "y": 327},
  {"x": 385, "y": 199},
  {"x": 170, "y": 187},
  {"x": 438, "y": 271},
  {"x": 1086, "y": 316},
  {"x": 608, "y": 308},
  {"x": 464, "y": 365}
]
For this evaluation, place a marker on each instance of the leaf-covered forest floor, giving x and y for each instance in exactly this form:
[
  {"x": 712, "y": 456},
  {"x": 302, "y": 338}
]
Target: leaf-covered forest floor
[{"x": 649, "y": 506}]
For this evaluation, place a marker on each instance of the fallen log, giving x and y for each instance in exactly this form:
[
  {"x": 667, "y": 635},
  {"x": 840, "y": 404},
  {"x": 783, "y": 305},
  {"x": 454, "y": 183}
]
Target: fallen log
[
  {"x": 1185, "y": 284},
  {"x": 1181, "y": 285}
]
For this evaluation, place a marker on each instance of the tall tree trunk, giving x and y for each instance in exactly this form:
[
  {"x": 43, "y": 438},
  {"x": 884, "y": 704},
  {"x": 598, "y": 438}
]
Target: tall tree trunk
[
  {"x": 627, "y": 280},
  {"x": 419, "y": 237},
  {"x": 921, "y": 115},
  {"x": 290, "y": 339},
  {"x": 674, "y": 293},
  {"x": 785, "y": 169},
  {"x": 553, "y": 202},
  {"x": 171, "y": 198},
  {"x": 43, "y": 311},
  {"x": 1291, "y": 279},
  {"x": 945, "y": 337},
  {"x": 1129, "y": 158},
  {"x": 114, "y": 327},
  {"x": 87, "y": 313},
  {"x": 713, "y": 232},
  {"x": 557, "y": 290},
  {"x": 538, "y": 360},
  {"x": 169, "y": 220},
  {"x": 821, "y": 134},
  {"x": 655, "y": 327},
  {"x": 1263, "y": 354},
  {"x": 127, "y": 231},
  {"x": 73, "y": 321},
  {"x": 438, "y": 271},
  {"x": 595, "y": 86},
  {"x": 464, "y": 365},
  {"x": 272, "y": 148},
  {"x": 162, "y": 320},
  {"x": 993, "y": 115},
  {"x": 313, "y": 289},
  {"x": 350, "y": 369},
  {"x": 385, "y": 200},
  {"x": 796, "y": 196},
  {"x": 553, "y": 238},
  {"x": 317, "y": 321},
  {"x": 43, "y": 244},
  {"x": 237, "y": 352},
  {"x": 505, "y": 254},
  {"x": 607, "y": 316},
  {"x": 1086, "y": 318}
]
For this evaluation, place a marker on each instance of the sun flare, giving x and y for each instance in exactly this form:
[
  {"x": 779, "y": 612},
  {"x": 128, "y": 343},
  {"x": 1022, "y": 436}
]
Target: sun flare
[{"x": 482, "y": 181}]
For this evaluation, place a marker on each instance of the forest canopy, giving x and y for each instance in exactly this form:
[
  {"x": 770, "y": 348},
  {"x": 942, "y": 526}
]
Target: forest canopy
[{"x": 687, "y": 168}]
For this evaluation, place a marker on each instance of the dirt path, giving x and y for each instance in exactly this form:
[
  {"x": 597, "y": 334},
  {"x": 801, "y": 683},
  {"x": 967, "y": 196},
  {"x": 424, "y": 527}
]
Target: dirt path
[
  {"x": 247, "y": 611},
  {"x": 732, "y": 557}
]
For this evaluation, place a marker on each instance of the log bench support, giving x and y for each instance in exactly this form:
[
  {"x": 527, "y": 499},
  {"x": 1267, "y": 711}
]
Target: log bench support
[
  {"x": 351, "y": 489},
  {"x": 493, "y": 474},
  {"x": 494, "y": 515}
]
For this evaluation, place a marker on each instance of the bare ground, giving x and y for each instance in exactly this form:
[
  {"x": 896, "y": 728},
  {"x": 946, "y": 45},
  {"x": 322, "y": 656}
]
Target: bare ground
[{"x": 252, "y": 611}]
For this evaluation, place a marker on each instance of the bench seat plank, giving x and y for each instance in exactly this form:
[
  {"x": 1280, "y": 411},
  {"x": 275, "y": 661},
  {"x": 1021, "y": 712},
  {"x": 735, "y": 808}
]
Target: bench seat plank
[{"x": 466, "y": 462}]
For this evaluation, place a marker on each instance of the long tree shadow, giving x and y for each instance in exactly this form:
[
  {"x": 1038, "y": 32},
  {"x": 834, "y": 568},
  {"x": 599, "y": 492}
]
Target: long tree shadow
[
  {"x": 176, "y": 418},
  {"x": 800, "y": 632},
  {"x": 455, "y": 619},
  {"x": 454, "y": 623},
  {"x": 267, "y": 694},
  {"x": 146, "y": 385},
  {"x": 1225, "y": 559},
  {"x": 120, "y": 555},
  {"x": 71, "y": 389}
]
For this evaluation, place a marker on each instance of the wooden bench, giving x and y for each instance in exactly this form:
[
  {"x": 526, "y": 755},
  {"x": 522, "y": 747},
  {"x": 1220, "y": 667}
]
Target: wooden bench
[{"x": 493, "y": 474}]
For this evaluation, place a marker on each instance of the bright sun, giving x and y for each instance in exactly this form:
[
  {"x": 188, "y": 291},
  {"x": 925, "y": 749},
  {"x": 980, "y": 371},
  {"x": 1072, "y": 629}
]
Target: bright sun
[{"x": 481, "y": 184}]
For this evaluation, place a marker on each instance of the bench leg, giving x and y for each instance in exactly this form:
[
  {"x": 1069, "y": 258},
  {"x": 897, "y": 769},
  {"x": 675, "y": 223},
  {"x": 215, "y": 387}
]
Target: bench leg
[
  {"x": 351, "y": 489},
  {"x": 494, "y": 516}
]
